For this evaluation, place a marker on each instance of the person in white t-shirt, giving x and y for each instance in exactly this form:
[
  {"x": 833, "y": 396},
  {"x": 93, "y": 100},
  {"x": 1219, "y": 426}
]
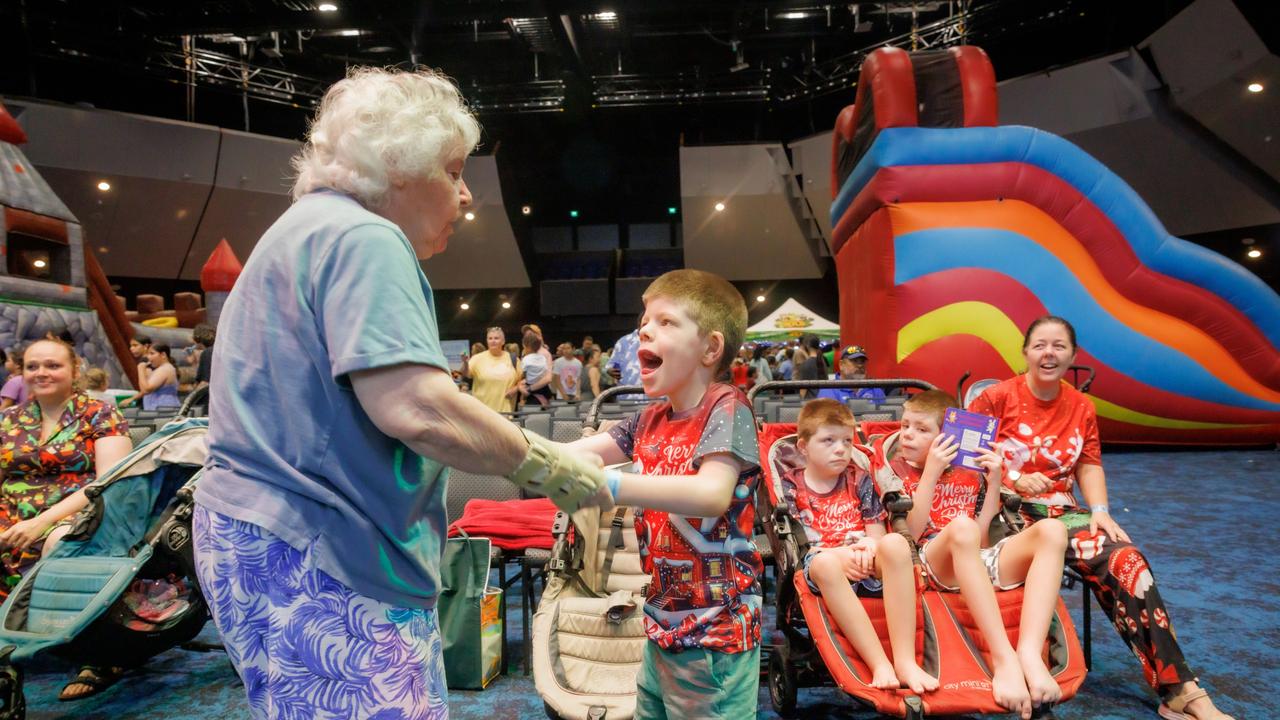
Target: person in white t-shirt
[{"x": 567, "y": 374}]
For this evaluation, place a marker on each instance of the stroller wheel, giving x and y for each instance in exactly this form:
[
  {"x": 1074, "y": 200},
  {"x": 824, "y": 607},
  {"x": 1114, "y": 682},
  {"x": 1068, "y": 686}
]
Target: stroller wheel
[{"x": 782, "y": 683}]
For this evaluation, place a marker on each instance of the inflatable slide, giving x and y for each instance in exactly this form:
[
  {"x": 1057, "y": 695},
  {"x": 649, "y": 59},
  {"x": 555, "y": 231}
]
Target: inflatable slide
[{"x": 952, "y": 233}]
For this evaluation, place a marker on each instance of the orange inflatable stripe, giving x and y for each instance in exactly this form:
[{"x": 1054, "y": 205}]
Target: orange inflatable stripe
[{"x": 1028, "y": 221}]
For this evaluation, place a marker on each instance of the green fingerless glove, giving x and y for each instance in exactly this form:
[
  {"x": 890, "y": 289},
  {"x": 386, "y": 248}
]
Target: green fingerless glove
[{"x": 562, "y": 476}]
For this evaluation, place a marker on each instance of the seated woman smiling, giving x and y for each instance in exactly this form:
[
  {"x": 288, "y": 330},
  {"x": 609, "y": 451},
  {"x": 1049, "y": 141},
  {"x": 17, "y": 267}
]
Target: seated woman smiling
[{"x": 51, "y": 446}]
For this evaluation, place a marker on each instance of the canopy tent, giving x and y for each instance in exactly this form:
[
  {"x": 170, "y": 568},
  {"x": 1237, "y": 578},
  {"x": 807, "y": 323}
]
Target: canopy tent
[{"x": 790, "y": 321}]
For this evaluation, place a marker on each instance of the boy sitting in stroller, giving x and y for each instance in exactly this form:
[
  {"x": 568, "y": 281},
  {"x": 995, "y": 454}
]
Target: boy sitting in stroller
[
  {"x": 951, "y": 513},
  {"x": 849, "y": 552}
]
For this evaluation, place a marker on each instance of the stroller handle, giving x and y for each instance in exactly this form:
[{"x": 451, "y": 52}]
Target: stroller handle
[
  {"x": 1075, "y": 377},
  {"x": 885, "y": 383},
  {"x": 593, "y": 415},
  {"x": 195, "y": 397}
]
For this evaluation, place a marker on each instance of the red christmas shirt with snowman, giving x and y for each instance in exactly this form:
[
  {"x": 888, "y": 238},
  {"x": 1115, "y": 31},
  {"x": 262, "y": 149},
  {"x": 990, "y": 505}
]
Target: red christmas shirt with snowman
[{"x": 1045, "y": 436}]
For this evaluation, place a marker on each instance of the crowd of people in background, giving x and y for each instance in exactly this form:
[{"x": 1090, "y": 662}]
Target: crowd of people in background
[{"x": 509, "y": 376}]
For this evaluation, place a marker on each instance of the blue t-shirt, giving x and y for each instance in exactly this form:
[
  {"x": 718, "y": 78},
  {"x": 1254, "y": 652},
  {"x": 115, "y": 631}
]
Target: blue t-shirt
[
  {"x": 874, "y": 394},
  {"x": 626, "y": 357},
  {"x": 331, "y": 288},
  {"x": 784, "y": 370}
]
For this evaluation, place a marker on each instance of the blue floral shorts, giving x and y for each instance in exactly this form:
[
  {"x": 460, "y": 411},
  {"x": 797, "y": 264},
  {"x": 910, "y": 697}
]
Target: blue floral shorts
[{"x": 306, "y": 645}]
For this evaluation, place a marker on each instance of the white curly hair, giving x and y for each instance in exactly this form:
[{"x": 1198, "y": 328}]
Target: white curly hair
[{"x": 377, "y": 125}]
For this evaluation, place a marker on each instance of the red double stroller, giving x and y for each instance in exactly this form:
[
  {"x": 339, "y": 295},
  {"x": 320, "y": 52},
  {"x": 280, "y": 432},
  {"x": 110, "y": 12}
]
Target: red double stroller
[{"x": 948, "y": 644}]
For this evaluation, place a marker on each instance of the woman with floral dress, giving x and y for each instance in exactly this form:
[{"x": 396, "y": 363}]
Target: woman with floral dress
[{"x": 51, "y": 446}]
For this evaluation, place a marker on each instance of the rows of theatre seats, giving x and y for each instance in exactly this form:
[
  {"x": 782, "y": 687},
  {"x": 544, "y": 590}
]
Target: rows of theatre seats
[
  {"x": 647, "y": 267},
  {"x": 578, "y": 270},
  {"x": 144, "y": 422}
]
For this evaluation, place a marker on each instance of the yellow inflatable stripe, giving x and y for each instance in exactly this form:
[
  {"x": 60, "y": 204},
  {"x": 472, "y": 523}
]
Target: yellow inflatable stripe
[
  {"x": 982, "y": 320},
  {"x": 1133, "y": 417},
  {"x": 989, "y": 324}
]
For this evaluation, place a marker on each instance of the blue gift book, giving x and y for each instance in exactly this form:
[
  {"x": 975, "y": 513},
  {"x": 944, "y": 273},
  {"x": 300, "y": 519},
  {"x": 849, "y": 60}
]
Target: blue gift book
[{"x": 973, "y": 431}]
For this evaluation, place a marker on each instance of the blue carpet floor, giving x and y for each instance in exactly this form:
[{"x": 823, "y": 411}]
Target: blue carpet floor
[{"x": 1204, "y": 518}]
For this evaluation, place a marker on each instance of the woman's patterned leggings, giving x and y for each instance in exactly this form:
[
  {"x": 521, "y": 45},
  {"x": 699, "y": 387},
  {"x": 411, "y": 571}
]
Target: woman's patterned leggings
[
  {"x": 306, "y": 645},
  {"x": 1125, "y": 588}
]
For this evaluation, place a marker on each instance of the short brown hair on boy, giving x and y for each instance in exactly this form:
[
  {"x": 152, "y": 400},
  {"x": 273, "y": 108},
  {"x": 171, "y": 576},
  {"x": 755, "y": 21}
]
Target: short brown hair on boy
[
  {"x": 823, "y": 411},
  {"x": 933, "y": 403},
  {"x": 711, "y": 301}
]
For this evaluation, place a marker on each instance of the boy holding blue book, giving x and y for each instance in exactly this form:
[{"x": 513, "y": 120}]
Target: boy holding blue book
[{"x": 952, "y": 511}]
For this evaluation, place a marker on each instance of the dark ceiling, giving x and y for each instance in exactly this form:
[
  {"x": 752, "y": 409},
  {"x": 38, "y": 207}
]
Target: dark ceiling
[{"x": 588, "y": 100}]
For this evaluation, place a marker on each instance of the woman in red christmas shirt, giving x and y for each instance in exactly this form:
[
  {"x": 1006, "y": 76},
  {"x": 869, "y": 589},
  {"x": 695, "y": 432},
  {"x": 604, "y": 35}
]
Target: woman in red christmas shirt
[{"x": 1049, "y": 440}]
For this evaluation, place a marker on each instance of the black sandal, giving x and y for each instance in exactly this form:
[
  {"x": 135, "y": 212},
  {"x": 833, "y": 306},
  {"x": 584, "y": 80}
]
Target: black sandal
[{"x": 96, "y": 678}]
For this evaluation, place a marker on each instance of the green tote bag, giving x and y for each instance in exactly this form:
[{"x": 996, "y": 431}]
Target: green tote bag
[{"x": 468, "y": 611}]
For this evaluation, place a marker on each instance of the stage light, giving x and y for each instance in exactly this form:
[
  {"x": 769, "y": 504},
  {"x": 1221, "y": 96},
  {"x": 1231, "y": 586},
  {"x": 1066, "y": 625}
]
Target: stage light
[
  {"x": 719, "y": 207},
  {"x": 464, "y": 306},
  {"x": 759, "y": 298},
  {"x": 526, "y": 210},
  {"x": 506, "y": 305},
  {"x": 327, "y": 7},
  {"x": 104, "y": 186},
  {"x": 671, "y": 210},
  {"x": 573, "y": 213},
  {"x": 1255, "y": 87},
  {"x": 470, "y": 216},
  {"x": 1254, "y": 253}
]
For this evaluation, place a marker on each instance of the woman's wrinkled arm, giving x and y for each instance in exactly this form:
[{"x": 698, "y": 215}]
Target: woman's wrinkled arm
[{"x": 420, "y": 406}]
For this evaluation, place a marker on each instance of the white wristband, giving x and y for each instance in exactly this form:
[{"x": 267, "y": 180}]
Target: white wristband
[{"x": 1099, "y": 509}]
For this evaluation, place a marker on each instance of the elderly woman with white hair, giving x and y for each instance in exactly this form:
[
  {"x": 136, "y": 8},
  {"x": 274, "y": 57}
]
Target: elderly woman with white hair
[{"x": 320, "y": 517}]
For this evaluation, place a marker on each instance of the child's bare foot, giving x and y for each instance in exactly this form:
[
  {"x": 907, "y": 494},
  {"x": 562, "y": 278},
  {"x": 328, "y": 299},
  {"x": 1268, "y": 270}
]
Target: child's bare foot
[
  {"x": 883, "y": 677},
  {"x": 1010, "y": 688},
  {"x": 1040, "y": 682},
  {"x": 914, "y": 677}
]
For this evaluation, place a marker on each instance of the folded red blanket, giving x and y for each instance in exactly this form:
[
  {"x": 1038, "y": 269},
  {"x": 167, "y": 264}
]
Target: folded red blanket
[{"x": 509, "y": 524}]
